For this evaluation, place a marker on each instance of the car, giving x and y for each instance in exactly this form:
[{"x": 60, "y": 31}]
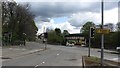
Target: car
[
  {"x": 118, "y": 48},
  {"x": 83, "y": 45},
  {"x": 70, "y": 44}
]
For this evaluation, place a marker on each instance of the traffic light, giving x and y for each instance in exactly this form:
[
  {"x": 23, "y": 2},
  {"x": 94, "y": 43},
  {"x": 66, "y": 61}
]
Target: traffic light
[
  {"x": 45, "y": 35},
  {"x": 92, "y": 32}
]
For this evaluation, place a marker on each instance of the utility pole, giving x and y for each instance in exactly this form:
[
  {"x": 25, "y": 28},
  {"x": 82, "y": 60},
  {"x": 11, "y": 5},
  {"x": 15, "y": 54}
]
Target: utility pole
[{"x": 102, "y": 36}]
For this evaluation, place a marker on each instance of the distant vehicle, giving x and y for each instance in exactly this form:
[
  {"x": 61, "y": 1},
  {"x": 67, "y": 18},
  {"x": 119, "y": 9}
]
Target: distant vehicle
[
  {"x": 83, "y": 45},
  {"x": 70, "y": 44},
  {"x": 118, "y": 48}
]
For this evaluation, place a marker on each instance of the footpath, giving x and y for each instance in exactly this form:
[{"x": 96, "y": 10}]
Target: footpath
[
  {"x": 11, "y": 52},
  {"x": 109, "y": 51}
]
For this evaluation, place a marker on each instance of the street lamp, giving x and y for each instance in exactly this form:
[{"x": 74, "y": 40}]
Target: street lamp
[
  {"x": 24, "y": 38},
  {"x": 45, "y": 39},
  {"x": 102, "y": 36}
]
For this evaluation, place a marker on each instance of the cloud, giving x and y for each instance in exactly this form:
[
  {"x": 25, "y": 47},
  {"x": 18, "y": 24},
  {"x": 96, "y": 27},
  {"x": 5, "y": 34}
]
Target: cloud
[
  {"x": 79, "y": 19},
  {"x": 65, "y": 0},
  {"x": 57, "y": 9},
  {"x": 53, "y": 25},
  {"x": 46, "y": 10},
  {"x": 43, "y": 19},
  {"x": 111, "y": 16},
  {"x": 78, "y": 12}
]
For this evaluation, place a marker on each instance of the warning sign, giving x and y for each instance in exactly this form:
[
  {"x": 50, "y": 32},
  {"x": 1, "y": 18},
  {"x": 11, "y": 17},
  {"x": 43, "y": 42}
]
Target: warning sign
[{"x": 102, "y": 31}]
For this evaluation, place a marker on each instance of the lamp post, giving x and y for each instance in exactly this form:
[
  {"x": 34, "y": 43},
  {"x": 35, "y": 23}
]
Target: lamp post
[
  {"x": 102, "y": 36},
  {"x": 24, "y": 38}
]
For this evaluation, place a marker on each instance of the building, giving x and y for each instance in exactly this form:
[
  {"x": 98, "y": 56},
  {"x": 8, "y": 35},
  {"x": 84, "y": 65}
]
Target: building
[{"x": 77, "y": 39}]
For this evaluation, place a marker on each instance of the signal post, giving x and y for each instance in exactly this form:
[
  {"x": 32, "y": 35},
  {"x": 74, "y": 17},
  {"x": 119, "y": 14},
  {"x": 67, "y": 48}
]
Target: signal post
[{"x": 91, "y": 35}]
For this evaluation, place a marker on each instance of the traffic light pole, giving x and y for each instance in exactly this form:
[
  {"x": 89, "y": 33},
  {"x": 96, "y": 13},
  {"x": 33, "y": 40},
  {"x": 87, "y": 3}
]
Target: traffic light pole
[
  {"x": 91, "y": 35},
  {"x": 89, "y": 47},
  {"x": 89, "y": 42}
]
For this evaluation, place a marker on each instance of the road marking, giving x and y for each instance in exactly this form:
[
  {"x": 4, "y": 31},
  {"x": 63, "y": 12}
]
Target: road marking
[
  {"x": 36, "y": 66},
  {"x": 39, "y": 64},
  {"x": 43, "y": 62},
  {"x": 58, "y": 54}
]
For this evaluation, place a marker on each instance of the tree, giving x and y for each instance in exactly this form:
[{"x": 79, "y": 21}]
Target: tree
[
  {"x": 58, "y": 31},
  {"x": 118, "y": 32},
  {"x": 8, "y": 15},
  {"x": 55, "y": 36},
  {"x": 18, "y": 19},
  {"x": 86, "y": 28},
  {"x": 65, "y": 32}
]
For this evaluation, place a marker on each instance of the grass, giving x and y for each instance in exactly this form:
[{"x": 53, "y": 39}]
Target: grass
[
  {"x": 96, "y": 61},
  {"x": 93, "y": 58},
  {"x": 92, "y": 61}
]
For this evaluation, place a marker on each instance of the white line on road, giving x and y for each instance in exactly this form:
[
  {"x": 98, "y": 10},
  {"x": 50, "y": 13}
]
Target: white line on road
[
  {"x": 36, "y": 66},
  {"x": 58, "y": 54},
  {"x": 43, "y": 62},
  {"x": 39, "y": 64}
]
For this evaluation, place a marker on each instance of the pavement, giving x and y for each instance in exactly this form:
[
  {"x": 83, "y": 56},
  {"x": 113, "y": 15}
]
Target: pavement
[
  {"x": 109, "y": 51},
  {"x": 12, "y": 52},
  {"x": 105, "y": 50}
]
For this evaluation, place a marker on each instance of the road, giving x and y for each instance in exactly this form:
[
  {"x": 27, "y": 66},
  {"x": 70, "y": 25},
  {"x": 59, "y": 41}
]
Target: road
[{"x": 56, "y": 56}]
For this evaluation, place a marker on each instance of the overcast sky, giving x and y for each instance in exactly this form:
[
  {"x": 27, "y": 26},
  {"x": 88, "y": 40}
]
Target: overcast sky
[{"x": 71, "y": 15}]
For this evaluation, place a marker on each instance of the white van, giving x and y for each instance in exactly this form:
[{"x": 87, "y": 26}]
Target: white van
[{"x": 118, "y": 48}]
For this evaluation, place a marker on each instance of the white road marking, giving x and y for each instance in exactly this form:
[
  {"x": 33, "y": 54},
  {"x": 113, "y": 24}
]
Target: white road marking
[
  {"x": 58, "y": 54},
  {"x": 39, "y": 64},
  {"x": 43, "y": 62},
  {"x": 36, "y": 66}
]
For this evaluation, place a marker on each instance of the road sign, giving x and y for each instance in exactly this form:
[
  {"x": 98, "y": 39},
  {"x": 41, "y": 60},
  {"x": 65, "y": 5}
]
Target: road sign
[{"x": 103, "y": 31}]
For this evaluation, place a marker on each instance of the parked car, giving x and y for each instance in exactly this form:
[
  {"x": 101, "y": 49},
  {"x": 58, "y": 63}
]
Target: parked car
[
  {"x": 118, "y": 48},
  {"x": 70, "y": 44}
]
